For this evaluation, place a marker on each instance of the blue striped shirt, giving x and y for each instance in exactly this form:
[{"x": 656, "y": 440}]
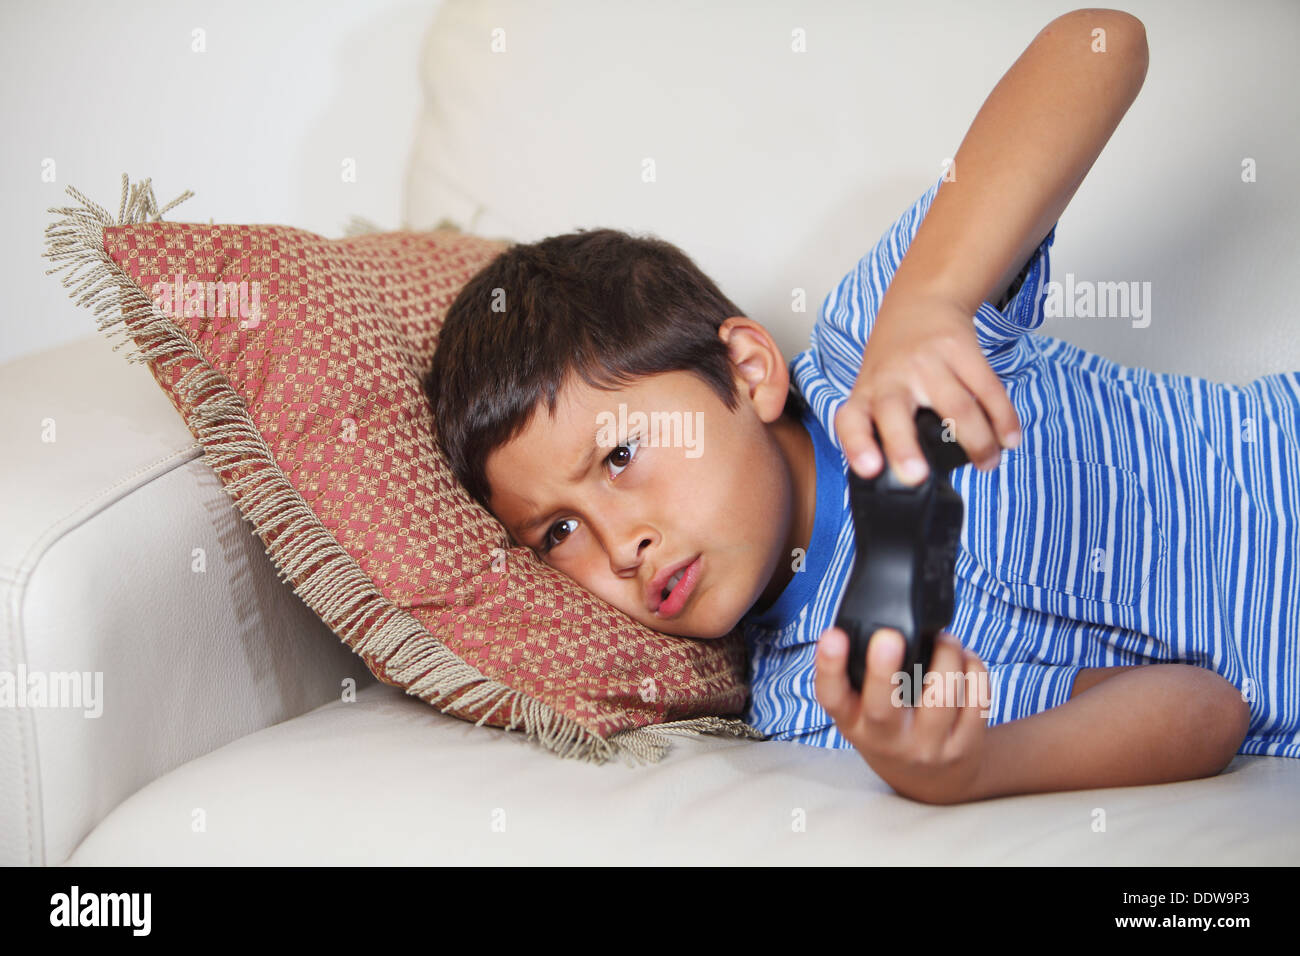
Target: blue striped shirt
[{"x": 1144, "y": 518}]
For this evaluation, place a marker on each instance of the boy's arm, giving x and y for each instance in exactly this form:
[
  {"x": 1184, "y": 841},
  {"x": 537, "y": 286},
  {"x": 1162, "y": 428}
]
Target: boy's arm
[
  {"x": 1023, "y": 158},
  {"x": 1025, "y": 155},
  {"x": 1121, "y": 727}
]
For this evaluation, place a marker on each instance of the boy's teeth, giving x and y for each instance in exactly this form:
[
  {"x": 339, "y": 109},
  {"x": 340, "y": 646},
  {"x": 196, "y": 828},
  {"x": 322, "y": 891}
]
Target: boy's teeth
[{"x": 672, "y": 583}]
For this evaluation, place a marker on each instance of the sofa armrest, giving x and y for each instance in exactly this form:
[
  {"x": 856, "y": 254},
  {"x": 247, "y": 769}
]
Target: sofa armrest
[{"x": 135, "y": 595}]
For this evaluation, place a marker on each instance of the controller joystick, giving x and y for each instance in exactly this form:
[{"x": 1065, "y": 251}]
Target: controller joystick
[{"x": 906, "y": 549}]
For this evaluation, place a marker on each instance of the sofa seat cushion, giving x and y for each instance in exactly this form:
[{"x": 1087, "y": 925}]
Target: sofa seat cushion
[{"x": 421, "y": 788}]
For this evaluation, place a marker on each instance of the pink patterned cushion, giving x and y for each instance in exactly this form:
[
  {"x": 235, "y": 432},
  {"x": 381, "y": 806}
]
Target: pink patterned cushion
[{"x": 302, "y": 382}]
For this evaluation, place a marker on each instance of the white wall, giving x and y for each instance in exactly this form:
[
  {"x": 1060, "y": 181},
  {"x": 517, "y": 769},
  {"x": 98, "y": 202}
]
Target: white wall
[
  {"x": 257, "y": 125},
  {"x": 777, "y": 169}
]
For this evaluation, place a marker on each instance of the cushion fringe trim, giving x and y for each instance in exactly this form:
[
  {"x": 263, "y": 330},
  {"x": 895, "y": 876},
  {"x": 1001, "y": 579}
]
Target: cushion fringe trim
[{"x": 395, "y": 645}]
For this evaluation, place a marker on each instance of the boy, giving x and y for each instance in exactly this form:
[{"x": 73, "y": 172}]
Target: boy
[{"x": 1122, "y": 634}]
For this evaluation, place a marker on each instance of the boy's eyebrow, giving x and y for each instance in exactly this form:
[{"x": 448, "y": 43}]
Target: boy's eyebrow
[{"x": 583, "y": 467}]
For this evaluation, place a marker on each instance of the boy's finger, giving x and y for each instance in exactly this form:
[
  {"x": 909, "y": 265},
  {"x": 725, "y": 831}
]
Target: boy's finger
[
  {"x": 853, "y": 425},
  {"x": 970, "y": 428},
  {"x": 932, "y": 724},
  {"x": 973, "y": 719},
  {"x": 984, "y": 384},
  {"x": 831, "y": 678},
  {"x": 896, "y": 418},
  {"x": 877, "y": 711}
]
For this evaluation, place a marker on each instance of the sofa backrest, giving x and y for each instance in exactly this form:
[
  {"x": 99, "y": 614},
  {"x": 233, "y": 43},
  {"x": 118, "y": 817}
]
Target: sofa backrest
[{"x": 776, "y": 169}]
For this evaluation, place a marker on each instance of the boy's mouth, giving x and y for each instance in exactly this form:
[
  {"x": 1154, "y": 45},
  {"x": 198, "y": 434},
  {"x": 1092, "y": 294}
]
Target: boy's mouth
[{"x": 672, "y": 587}]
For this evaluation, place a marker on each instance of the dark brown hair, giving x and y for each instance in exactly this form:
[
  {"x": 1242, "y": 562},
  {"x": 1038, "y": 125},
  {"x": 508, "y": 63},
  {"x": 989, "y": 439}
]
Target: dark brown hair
[{"x": 607, "y": 306}]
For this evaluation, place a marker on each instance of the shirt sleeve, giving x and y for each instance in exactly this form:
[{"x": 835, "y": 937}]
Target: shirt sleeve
[
  {"x": 844, "y": 324},
  {"x": 1023, "y": 688}
]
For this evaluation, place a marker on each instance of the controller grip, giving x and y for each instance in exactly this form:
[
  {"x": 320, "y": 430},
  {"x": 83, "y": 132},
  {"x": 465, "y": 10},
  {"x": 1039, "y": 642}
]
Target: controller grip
[{"x": 906, "y": 538}]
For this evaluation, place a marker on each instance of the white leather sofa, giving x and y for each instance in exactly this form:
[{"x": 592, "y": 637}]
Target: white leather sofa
[{"x": 224, "y": 737}]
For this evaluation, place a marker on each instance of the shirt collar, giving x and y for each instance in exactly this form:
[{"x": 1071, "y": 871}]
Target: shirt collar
[{"x": 832, "y": 480}]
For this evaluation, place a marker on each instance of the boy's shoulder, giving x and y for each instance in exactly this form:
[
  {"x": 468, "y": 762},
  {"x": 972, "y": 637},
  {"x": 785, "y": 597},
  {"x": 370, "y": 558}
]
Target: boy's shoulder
[{"x": 821, "y": 569}]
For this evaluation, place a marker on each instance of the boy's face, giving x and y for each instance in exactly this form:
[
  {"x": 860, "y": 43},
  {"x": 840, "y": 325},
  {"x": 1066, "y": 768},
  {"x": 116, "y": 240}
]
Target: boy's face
[{"x": 692, "y": 480}]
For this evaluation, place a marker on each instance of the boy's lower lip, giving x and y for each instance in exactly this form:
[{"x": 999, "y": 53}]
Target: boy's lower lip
[{"x": 677, "y": 599}]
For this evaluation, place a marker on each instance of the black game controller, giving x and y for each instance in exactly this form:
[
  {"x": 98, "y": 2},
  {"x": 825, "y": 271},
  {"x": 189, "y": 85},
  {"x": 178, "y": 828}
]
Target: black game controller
[{"x": 906, "y": 539}]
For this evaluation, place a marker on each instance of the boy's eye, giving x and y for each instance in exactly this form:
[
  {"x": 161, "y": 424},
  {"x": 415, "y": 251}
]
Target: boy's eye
[
  {"x": 546, "y": 541},
  {"x": 625, "y": 458},
  {"x": 617, "y": 453}
]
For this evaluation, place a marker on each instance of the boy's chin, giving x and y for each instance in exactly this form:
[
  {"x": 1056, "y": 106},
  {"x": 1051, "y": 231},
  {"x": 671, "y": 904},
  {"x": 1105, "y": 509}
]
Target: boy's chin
[{"x": 697, "y": 633}]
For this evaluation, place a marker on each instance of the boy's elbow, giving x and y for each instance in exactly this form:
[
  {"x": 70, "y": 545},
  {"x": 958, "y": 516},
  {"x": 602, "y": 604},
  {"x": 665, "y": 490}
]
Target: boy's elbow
[
  {"x": 1241, "y": 726},
  {"x": 1125, "y": 26},
  {"x": 1226, "y": 717},
  {"x": 1135, "y": 45},
  {"x": 1123, "y": 34}
]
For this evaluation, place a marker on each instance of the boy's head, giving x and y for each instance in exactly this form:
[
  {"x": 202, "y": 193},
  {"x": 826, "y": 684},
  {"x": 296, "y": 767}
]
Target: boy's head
[{"x": 599, "y": 395}]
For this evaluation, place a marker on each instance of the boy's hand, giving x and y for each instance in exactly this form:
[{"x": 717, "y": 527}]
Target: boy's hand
[
  {"x": 932, "y": 752},
  {"x": 922, "y": 352}
]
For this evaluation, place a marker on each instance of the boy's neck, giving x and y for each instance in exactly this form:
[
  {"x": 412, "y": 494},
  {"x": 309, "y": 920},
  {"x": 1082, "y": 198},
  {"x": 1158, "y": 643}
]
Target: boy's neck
[{"x": 801, "y": 458}]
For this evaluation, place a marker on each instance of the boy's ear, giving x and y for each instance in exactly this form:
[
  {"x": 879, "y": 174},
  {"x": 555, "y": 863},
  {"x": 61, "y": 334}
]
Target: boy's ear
[{"x": 757, "y": 364}]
